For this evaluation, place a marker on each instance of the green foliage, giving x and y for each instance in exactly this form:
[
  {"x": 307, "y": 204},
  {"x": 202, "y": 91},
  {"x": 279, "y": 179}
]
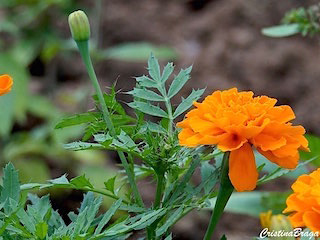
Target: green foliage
[
  {"x": 300, "y": 20},
  {"x": 38, "y": 220},
  {"x": 156, "y": 145},
  {"x": 281, "y": 30},
  {"x": 314, "y": 145},
  {"x": 152, "y": 150},
  {"x": 254, "y": 203},
  {"x": 136, "y": 52},
  {"x": 144, "y": 95}
]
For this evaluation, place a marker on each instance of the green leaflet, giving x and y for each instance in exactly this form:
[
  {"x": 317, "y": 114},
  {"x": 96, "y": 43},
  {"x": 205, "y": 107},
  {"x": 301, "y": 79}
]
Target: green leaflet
[
  {"x": 144, "y": 98},
  {"x": 11, "y": 186},
  {"x": 149, "y": 109},
  {"x": 146, "y": 95},
  {"x": 281, "y": 30},
  {"x": 154, "y": 68},
  {"x": 187, "y": 103},
  {"x": 179, "y": 81},
  {"x": 167, "y": 71},
  {"x": 171, "y": 220}
]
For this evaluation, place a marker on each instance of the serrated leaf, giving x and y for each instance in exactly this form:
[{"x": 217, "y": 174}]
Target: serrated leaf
[
  {"x": 154, "y": 68},
  {"x": 111, "y": 102},
  {"x": 101, "y": 138},
  {"x": 179, "y": 81},
  {"x": 146, "y": 94},
  {"x": 78, "y": 119},
  {"x": 144, "y": 81},
  {"x": 41, "y": 230},
  {"x": 109, "y": 184},
  {"x": 146, "y": 219},
  {"x": 207, "y": 170},
  {"x": 124, "y": 141},
  {"x": 88, "y": 199},
  {"x": 169, "y": 237},
  {"x": 60, "y": 180},
  {"x": 76, "y": 146},
  {"x": 26, "y": 220},
  {"x": 153, "y": 127},
  {"x": 149, "y": 109},
  {"x": 167, "y": 71},
  {"x": 170, "y": 221},
  {"x": 281, "y": 30},
  {"x": 81, "y": 181},
  {"x": 187, "y": 103},
  {"x": 108, "y": 215},
  {"x": 11, "y": 186}
]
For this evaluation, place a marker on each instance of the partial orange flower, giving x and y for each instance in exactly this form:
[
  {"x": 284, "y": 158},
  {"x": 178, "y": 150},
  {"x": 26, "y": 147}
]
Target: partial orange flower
[
  {"x": 236, "y": 121},
  {"x": 6, "y": 83},
  {"x": 304, "y": 203}
]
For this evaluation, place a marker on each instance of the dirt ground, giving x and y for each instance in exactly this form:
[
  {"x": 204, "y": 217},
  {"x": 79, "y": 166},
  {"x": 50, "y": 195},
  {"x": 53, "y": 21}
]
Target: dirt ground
[{"x": 222, "y": 40}]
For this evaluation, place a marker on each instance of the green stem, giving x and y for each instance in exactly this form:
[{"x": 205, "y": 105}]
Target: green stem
[
  {"x": 160, "y": 181},
  {"x": 169, "y": 108},
  {"x": 157, "y": 204},
  {"x": 84, "y": 51},
  {"x": 101, "y": 192},
  {"x": 224, "y": 194}
]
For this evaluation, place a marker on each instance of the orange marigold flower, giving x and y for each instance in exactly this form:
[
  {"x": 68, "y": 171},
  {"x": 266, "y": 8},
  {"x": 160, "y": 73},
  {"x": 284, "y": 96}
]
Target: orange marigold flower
[
  {"x": 6, "y": 83},
  {"x": 236, "y": 121},
  {"x": 304, "y": 203}
]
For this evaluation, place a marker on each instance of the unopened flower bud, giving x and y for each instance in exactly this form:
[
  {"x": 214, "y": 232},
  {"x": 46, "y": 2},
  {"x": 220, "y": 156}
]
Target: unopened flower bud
[{"x": 79, "y": 26}]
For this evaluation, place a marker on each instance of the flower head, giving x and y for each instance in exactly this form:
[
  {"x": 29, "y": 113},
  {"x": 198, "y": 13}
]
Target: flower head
[
  {"x": 6, "y": 83},
  {"x": 236, "y": 121},
  {"x": 79, "y": 26},
  {"x": 304, "y": 203}
]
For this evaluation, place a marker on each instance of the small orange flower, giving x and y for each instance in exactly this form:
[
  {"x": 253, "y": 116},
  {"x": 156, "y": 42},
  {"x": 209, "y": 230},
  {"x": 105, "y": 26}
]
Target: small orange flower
[
  {"x": 304, "y": 203},
  {"x": 236, "y": 121},
  {"x": 6, "y": 83}
]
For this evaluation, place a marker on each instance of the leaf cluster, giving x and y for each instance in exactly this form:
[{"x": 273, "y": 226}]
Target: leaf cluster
[{"x": 301, "y": 20}]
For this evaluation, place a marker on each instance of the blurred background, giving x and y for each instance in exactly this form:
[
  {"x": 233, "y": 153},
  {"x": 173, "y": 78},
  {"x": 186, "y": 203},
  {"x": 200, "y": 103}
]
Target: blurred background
[{"x": 221, "y": 39}]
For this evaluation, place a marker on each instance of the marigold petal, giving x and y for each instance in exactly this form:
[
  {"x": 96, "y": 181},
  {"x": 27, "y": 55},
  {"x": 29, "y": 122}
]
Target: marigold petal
[
  {"x": 267, "y": 142},
  {"x": 199, "y": 125},
  {"x": 242, "y": 169},
  {"x": 212, "y": 140},
  {"x": 289, "y": 162},
  {"x": 296, "y": 220},
  {"x": 288, "y": 150},
  {"x": 184, "y": 135},
  {"x": 6, "y": 83},
  {"x": 281, "y": 114},
  {"x": 231, "y": 142},
  {"x": 312, "y": 220}
]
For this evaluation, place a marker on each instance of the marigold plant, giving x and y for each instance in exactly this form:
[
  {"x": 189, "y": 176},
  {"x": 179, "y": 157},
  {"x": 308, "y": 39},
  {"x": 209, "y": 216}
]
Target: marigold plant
[
  {"x": 152, "y": 149},
  {"x": 236, "y": 121},
  {"x": 6, "y": 83},
  {"x": 304, "y": 203}
]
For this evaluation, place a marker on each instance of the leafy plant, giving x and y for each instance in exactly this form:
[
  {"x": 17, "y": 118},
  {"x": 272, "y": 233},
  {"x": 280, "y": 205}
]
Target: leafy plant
[{"x": 300, "y": 20}]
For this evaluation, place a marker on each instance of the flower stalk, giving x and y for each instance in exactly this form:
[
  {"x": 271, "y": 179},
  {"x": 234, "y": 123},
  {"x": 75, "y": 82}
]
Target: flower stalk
[
  {"x": 83, "y": 46},
  {"x": 224, "y": 194},
  {"x": 159, "y": 191}
]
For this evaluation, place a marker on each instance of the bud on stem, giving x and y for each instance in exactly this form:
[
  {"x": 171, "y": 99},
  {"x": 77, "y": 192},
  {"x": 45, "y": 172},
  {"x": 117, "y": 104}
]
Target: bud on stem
[{"x": 79, "y": 26}]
